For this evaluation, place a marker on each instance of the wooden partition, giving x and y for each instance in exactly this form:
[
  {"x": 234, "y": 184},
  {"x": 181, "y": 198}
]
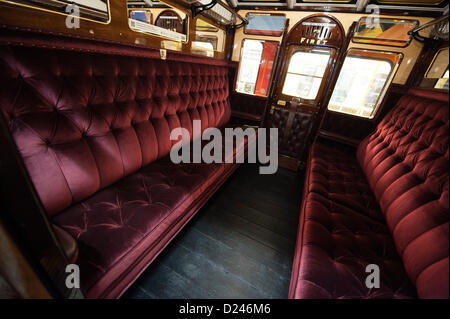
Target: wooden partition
[{"x": 117, "y": 28}]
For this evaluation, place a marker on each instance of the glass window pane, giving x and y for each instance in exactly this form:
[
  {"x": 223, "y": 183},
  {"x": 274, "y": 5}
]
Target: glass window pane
[
  {"x": 166, "y": 22},
  {"x": 384, "y": 31},
  {"x": 208, "y": 39},
  {"x": 439, "y": 64},
  {"x": 437, "y": 73},
  {"x": 256, "y": 66},
  {"x": 327, "y": 0},
  {"x": 266, "y": 67},
  {"x": 249, "y": 66},
  {"x": 309, "y": 63},
  {"x": 442, "y": 83},
  {"x": 411, "y": 2},
  {"x": 203, "y": 47},
  {"x": 302, "y": 86},
  {"x": 360, "y": 85},
  {"x": 141, "y": 15},
  {"x": 265, "y": 24},
  {"x": 305, "y": 72},
  {"x": 96, "y": 10}
]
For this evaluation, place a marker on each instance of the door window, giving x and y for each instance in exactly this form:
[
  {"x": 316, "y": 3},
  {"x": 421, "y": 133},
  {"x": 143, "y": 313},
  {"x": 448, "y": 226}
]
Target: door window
[{"x": 305, "y": 73}]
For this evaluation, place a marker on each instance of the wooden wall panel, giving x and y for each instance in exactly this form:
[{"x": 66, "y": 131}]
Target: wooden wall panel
[
  {"x": 411, "y": 52},
  {"x": 116, "y": 29}
]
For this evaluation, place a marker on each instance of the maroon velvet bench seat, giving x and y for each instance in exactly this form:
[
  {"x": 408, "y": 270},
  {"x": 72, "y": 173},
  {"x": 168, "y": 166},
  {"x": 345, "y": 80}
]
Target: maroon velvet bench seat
[
  {"x": 386, "y": 203},
  {"x": 93, "y": 129}
]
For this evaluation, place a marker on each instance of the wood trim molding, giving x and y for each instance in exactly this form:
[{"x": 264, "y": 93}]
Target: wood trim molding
[{"x": 288, "y": 162}]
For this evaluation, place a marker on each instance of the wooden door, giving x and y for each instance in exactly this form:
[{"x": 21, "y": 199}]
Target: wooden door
[{"x": 305, "y": 73}]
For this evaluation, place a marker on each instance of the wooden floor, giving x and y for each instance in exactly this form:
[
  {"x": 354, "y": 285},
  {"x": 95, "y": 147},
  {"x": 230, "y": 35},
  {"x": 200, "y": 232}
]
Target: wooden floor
[{"x": 240, "y": 245}]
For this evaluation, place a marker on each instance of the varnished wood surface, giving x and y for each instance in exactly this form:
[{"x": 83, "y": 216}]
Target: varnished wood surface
[{"x": 116, "y": 29}]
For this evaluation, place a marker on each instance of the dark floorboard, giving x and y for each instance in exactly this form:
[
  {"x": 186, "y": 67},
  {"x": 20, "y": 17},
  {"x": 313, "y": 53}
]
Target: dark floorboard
[{"x": 239, "y": 245}]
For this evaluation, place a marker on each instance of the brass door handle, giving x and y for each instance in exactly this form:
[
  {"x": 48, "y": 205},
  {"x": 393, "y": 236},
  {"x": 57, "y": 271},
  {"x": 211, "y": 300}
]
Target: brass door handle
[{"x": 273, "y": 108}]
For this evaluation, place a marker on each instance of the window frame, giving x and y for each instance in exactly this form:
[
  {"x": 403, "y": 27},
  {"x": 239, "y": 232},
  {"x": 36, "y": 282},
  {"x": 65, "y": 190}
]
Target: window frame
[
  {"x": 387, "y": 84},
  {"x": 215, "y": 34},
  {"x": 265, "y": 34},
  {"x": 399, "y": 2},
  {"x": 386, "y": 41},
  {"x": 155, "y": 17},
  {"x": 432, "y": 62},
  {"x": 63, "y": 13},
  {"x": 140, "y": 9},
  {"x": 431, "y": 81},
  {"x": 272, "y": 73}
]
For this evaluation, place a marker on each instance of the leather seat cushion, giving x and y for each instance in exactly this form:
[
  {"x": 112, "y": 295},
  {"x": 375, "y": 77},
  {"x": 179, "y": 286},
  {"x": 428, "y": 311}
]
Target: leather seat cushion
[
  {"x": 82, "y": 121},
  {"x": 114, "y": 226},
  {"x": 406, "y": 164},
  {"x": 134, "y": 211},
  {"x": 335, "y": 174},
  {"x": 338, "y": 237},
  {"x": 403, "y": 168},
  {"x": 94, "y": 135}
]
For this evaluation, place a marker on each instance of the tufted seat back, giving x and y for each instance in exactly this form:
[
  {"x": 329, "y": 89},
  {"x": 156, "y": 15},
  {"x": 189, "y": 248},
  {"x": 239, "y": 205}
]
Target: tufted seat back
[
  {"x": 82, "y": 121},
  {"x": 406, "y": 163}
]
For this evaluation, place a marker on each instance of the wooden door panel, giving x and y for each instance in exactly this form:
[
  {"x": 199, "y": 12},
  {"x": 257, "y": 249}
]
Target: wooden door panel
[
  {"x": 293, "y": 129},
  {"x": 279, "y": 119},
  {"x": 299, "y": 132}
]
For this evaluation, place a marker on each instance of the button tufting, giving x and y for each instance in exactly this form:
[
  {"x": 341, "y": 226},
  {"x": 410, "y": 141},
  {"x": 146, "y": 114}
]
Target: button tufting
[{"x": 341, "y": 199}]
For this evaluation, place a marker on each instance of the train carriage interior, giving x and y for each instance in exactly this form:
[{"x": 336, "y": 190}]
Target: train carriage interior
[{"x": 224, "y": 149}]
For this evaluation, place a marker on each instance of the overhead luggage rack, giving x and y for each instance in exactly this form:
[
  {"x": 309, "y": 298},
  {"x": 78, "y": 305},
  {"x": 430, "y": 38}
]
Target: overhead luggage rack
[
  {"x": 218, "y": 11},
  {"x": 436, "y": 29}
]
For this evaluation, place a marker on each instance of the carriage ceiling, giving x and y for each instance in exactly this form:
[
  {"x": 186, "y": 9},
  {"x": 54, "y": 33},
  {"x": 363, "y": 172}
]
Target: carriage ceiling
[{"x": 401, "y": 7}]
